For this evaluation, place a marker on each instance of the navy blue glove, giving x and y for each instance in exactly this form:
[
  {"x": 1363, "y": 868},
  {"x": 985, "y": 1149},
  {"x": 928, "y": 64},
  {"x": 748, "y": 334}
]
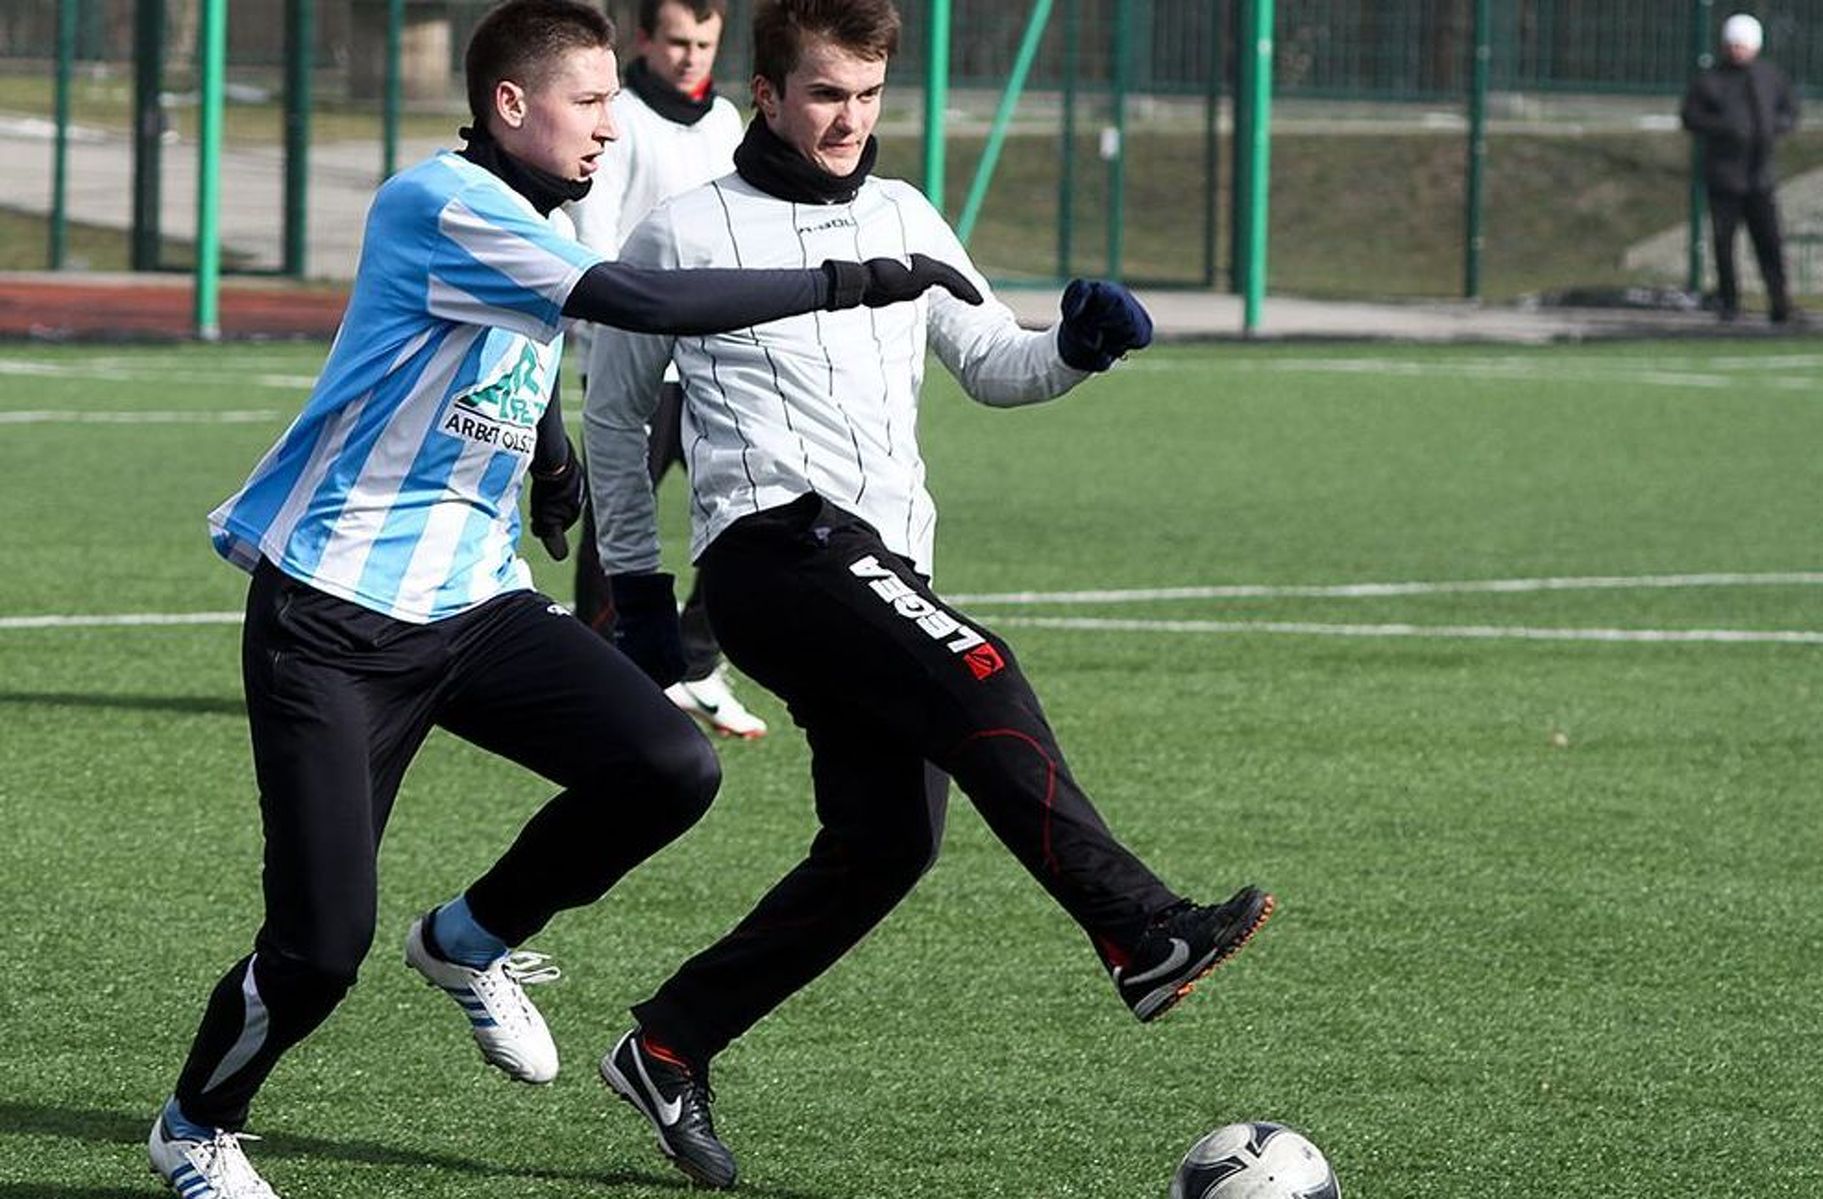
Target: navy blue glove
[
  {"x": 645, "y": 625},
  {"x": 1101, "y": 321},
  {"x": 557, "y": 500}
]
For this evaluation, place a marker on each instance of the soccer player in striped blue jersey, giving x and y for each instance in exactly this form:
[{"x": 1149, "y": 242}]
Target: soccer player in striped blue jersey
[{"x": 388, "y": 596}]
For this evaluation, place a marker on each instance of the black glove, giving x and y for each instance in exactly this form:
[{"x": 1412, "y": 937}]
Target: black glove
[
  {"x": 882, "y": 281},
  {"x": 646, "y": 626},
  {"x": 557, "y": 500},
  {"x": 1101, "y": 321}
]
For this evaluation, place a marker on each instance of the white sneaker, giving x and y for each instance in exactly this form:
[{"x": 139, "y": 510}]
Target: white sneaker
[
  {"x": 712, "y": 702},
  {"x": 509, "y": 1030},
  {"x": 211, "y": 1169}
]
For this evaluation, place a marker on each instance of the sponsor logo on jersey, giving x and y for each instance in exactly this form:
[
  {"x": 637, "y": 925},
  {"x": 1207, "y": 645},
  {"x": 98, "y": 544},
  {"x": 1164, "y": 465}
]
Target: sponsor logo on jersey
[
  {"x": 976, "y": 651},
  {"x": 501, "y": 412}
]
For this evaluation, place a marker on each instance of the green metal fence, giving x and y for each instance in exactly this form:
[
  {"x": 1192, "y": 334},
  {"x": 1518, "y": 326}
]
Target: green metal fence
[
  {"x": 1342, "y": 49},
  {"x": 1117, "y": 159}
]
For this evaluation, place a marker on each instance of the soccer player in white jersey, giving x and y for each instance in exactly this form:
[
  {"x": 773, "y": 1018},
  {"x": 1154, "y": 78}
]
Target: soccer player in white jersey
[
  {"x": 812, "y": 535},
  {"x": 675, "y": 134},
  {"x": 388, "y": 596}
]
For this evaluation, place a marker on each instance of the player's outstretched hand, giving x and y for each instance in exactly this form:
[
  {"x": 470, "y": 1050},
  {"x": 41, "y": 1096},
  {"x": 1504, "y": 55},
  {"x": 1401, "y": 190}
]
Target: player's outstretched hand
[
  {"x": 557, "y": 500},
  {"x": 882, "y": 281},
  {"x": 1101, "y": 321},
  {"x": 645, "y": 625}
]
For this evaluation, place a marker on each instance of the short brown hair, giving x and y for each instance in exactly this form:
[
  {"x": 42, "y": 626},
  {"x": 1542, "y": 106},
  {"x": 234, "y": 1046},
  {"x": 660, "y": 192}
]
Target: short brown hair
[
  {"x": 868, "y": 28},
  {"x": 521, "y": 39},
  {"x": 702, "y": 10}
]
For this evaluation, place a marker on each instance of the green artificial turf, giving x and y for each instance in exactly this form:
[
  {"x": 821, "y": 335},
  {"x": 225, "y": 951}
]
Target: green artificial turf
[{"x": 1549, "y": 924}]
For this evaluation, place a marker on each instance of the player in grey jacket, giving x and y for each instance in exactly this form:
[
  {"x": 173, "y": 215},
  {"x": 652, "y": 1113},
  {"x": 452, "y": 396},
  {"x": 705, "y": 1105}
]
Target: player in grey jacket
[
  {"x": 676, "y": 133},
  {"x": 1740, "y": 108},
  {"x": 813, "y": 534}
]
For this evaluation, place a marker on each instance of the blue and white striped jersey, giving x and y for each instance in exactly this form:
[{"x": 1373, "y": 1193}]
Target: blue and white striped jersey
[{"x": 397, "y": 487}]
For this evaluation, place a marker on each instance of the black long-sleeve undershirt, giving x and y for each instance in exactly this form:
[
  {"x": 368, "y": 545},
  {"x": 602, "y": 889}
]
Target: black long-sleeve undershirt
[{"x": 689, "y": 302}]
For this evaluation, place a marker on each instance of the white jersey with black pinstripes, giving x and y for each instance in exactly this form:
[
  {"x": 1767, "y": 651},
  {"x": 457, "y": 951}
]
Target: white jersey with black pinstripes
[{"x": 826, "y": 402}]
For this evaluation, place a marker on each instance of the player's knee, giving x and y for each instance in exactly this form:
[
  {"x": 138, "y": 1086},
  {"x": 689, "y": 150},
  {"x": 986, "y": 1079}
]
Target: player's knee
[
  {"x": 896, "y": 863},
  {"x": 689, "y": 773},
  {"x": 315, "y": 979}
]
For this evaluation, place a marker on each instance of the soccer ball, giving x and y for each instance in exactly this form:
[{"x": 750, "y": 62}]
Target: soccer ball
[{"x": 1254, "y": 1161}]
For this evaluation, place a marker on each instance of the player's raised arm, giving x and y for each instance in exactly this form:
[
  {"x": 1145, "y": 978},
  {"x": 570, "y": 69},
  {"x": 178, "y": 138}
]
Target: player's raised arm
[
  {"x": 652, "y": 300},
  {"x": 1003, "y": 365}
]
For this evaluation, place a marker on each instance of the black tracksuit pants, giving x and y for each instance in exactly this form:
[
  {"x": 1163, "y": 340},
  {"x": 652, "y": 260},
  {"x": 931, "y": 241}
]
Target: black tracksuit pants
[
  {"x": 1726, "y": 211},
  {"x": 893, "y": 689},
  {"x": 339, "y": 698}
]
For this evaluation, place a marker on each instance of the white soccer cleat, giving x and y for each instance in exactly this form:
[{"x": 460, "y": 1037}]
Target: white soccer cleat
[
  {"x": 712, "y": 702},
  {"x": 211, "y": 1169},
  {"x": 512, "y": 1035}
]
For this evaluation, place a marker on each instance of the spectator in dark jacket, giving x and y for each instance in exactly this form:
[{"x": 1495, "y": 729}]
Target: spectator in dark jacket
[{"x": 1739, "y": 108}]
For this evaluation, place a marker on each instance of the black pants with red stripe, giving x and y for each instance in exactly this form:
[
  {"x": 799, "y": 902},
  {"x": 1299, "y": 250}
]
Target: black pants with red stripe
[
  {"x": 339, "y": 699},
  {"x": 894, "y": 690}
]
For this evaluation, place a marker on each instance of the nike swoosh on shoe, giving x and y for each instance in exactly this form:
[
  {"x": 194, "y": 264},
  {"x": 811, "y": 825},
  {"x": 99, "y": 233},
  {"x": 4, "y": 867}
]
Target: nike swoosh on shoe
[
  {"x": 1180, "y": 953},
  {"x": 666, "y": 1110}
]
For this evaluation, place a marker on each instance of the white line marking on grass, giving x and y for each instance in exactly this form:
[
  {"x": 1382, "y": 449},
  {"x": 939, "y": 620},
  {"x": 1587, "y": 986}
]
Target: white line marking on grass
[
  {"x": 1516, "y": 371},
  {"x": 106, "y": 372},
  {"x": 52, "y": 416},
  {"x": 1252, "y": 591},
  {"x": 1441, "y": 632},
  {"x": 1375, "y": 590},
  {"x": 125, "y": 619},
  {"x": 1716, "y": 374}
]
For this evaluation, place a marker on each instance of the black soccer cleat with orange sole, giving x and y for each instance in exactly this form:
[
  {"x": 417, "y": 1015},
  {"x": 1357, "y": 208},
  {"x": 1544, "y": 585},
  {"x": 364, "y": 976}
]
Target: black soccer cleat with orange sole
[{"x": 1183, "y": 944}]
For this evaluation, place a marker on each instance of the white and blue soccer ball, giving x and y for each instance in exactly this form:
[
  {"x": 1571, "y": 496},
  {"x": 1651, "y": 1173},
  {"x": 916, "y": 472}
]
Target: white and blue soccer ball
[{"x": 1254, "y": 1161}]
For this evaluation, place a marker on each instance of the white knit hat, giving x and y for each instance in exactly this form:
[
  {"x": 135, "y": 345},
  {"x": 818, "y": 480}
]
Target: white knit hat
[{"x": 1743, "y": 30}]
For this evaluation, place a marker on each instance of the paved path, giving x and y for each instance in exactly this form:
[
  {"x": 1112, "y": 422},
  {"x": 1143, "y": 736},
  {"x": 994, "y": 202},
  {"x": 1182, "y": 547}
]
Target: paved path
[{"x": 343, "y": 176}]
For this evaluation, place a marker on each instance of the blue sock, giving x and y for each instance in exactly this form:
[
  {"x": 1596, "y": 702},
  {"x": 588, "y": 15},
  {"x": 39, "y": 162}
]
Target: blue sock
[
  {"x": 181, "y": 1126},
  {"x": 461, "y": 939}
]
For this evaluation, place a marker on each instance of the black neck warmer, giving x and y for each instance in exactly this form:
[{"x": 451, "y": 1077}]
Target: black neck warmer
[
  {"x": 666, "y": 100},
  {"x": 545, "y": 190},
  {"x": 765, "y": 161}
]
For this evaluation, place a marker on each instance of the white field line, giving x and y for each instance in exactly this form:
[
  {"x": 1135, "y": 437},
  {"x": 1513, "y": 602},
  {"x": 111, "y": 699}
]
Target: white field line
[
  {"x": 51, "y": 416},
  {"x": 1717, "y": 374},
  {"x": 1528, "y": 372},
  {"x": 1542, "y": 362},
  {"x": 1440, "y": 632},
  {"x": 1298, "y": 628},
  {"x": 1376, "y": 590},
  {"x": 108, "y": 371},
  {"x": 121, "y": 620}
]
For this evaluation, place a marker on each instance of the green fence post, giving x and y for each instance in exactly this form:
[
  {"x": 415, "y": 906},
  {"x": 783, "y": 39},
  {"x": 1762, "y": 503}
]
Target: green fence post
[
  {"x": 1259, "y": 162},
  {"x": 212, "y": 67},
  {"x": 1066, "y": 175},
  {"x": 1212, "y": 141},
  {"x": 1242, "y": 14},
  {"x": 148, "y": 130},
  {"x": 1473, "y": 240},
  {"x": 1702, "y": 13},
  {"x": 1117, "y": 151},
  {"x": 395, "y": 50},
  {"x": 1003, "y": 117},
  {"x": 60, "y": 168},
  {"x": 300, "y": 55},
  {"x": 936, "y": 100}
]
